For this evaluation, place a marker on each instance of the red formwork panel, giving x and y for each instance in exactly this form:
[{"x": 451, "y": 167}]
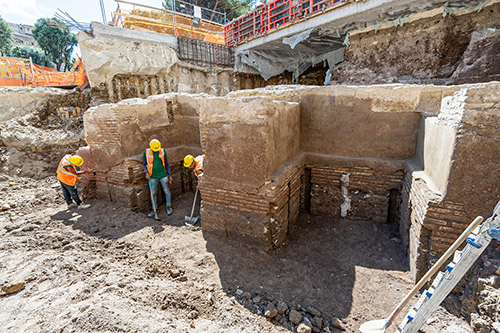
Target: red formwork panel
[{"x": 272, "y": 16}]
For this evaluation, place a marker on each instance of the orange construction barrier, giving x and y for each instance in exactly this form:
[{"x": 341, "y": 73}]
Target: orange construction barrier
[
  {"x": 147, "y": 18},
  {"x": 23, "y": 72}
]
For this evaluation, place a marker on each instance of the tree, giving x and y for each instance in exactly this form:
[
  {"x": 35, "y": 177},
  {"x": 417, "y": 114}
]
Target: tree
[
  {"x": 5, "y": 38},
  {"x": 37, "y": 55},
  {"x": 55, "y": 40},
  {"x": 232, "y": 8}
]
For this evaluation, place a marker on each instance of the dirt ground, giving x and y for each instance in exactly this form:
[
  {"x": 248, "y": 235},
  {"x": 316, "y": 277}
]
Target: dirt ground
[{"x": 108, "y": 269}]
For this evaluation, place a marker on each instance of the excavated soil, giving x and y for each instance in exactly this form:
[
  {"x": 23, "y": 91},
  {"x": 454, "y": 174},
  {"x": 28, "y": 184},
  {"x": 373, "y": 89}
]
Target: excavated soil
[{"x": 108, "y": 269}]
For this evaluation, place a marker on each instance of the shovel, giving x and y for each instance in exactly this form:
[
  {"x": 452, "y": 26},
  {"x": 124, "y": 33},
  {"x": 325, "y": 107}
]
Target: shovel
[
  {"x": 190, "y": 219},
  {"x": 153, "y": 201}
]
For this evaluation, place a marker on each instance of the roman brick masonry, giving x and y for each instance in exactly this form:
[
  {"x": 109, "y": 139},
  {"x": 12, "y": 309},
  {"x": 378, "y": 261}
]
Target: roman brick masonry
[
  {"x": 324, "y": 196},
  {"x": 270, "y": 153}
]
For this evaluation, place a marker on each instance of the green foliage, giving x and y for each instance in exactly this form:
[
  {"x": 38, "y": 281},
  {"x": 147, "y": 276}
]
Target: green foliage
[
  {"x": 5, "y": 38},
  {"x": 55, "y": 40},
  {"x": 37, "y": 55},
  {"x": 236, "y": 8},
  {"x": 232, "y": 8}
]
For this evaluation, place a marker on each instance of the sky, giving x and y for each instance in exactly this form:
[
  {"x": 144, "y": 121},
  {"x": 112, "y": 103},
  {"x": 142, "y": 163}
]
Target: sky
[{"x": 28, "y": 11}]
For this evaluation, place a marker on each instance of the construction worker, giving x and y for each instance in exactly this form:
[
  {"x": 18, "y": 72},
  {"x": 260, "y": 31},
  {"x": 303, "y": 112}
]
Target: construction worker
[
  {"x": 67, "y": 174},
  {"x": 155, "y": 163},
  {"x": 195, "y": 163}
]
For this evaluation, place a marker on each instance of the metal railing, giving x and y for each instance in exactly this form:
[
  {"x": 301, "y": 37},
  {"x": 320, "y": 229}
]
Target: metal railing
[
  {"x": 148, "y": 18},
  {"x": 190, "y": 9},
  {"x": 273, "y": 16}
]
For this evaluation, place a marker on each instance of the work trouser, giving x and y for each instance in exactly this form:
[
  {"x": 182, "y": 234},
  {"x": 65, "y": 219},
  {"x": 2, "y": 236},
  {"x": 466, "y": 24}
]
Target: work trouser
[
  {"x": 70, "y": 193},
  {"x": 153, "y": 185}
]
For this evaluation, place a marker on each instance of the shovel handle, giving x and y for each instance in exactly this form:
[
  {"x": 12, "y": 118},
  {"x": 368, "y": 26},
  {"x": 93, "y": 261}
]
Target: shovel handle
[
  {"x": 153, "y": 201},
  {"x": 194, "y": 203}
]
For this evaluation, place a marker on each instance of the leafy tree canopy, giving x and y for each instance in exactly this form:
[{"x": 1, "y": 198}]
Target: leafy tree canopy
[
  {"x": 232, "y": 8},
  {"x": 5, "y": 38},
  {"x": 55, "y": 40},
  {"x": 37, "y": 55}
]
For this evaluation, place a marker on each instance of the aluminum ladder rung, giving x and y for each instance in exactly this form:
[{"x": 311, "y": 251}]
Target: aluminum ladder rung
[
  {"x": 457, "y": 256},
  {"x": 445, "y": 281}
]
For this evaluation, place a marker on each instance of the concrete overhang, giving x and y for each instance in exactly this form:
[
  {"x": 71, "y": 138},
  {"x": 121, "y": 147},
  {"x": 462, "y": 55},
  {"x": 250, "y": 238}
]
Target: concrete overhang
[
  {"x": 339, "y": 20},
  {"x": 322, "y": 38}
]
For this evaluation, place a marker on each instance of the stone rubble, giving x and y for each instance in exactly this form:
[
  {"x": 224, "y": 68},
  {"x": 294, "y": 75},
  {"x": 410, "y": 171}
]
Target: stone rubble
[
  {"x": 293, "y": 315},
  {"x": 11, "y": 288}
]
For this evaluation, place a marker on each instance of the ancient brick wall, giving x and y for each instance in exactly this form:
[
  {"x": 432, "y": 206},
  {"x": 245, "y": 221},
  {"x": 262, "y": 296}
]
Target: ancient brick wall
[
  {"x": 261, "y": 220},
  {"x": 117, "y": 160},
  {"x": 446, "y": 220},
  {"x": 458, "y": 176},
  {"x": 346, "y": 152},
  {"x": 415, "y": 198},
  {"x": 353, "y": 192},
  {"x": 246, "y": 142}
]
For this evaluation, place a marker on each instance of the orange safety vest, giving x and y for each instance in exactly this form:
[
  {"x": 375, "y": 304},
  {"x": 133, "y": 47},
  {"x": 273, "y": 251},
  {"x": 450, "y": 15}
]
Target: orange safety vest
[
  {"x": 150, "y": 158},
  {"x": 198, "y": 166},
  {"x": 65, "y": 176}
]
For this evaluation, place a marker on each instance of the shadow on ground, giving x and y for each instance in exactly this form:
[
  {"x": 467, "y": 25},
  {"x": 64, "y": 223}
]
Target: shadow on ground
[
  {"x": 343, "y": 268},
  {"x": 318, "y": 266},
  {"x": 109, "y": 220}
]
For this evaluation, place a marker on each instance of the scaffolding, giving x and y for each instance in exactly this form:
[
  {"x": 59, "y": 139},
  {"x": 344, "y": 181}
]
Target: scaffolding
[{"x": 190, "y": 24}]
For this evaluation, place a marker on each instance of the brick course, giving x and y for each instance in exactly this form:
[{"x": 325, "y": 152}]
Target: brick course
[{"x": 368, "y": 190}]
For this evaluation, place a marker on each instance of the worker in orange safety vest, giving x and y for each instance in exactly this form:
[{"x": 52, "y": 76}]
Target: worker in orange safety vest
[
  {"x": 195, "y": 163},
  {"x": 157, "y": 170},
  {"x": 67, "y": 174}
]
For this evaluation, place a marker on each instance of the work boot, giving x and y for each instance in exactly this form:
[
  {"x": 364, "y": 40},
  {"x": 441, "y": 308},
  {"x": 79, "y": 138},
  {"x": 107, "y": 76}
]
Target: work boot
[
  {"x": 72, "y": 205},
  {"x": 152, "y": 214},
  {"x": 169, "y": 210},
  {"x": 83, "y": 206}
]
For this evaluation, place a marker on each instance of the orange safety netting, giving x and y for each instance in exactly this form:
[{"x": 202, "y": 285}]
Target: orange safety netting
[
  {"x": 23, "y": 72},
  {"x": 171, "y": 23}
]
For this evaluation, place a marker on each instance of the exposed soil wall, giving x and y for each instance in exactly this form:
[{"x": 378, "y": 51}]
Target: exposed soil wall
[
  {"x": 459, "y": 48},
  {"x": 36, "y": 130},
  {"x": 124, "y": 63},
  {"x": 427, "y": 49}
]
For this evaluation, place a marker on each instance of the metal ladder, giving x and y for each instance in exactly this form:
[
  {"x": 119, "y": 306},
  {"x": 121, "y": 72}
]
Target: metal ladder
[{"x": 446, "y": 280}]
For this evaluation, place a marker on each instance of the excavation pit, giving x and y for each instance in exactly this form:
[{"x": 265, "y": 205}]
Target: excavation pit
[{"x": 381, "y": 153}]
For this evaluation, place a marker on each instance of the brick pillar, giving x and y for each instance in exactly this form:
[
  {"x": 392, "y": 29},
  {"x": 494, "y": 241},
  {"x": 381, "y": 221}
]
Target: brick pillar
[{"x": 249, "y": 190}]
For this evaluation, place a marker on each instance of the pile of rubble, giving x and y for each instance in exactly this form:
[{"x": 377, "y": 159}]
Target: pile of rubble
[{"x": 291, "y": 316}]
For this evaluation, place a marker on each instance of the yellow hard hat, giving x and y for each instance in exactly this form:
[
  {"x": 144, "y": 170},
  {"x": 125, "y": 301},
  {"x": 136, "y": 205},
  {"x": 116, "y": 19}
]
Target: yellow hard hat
[
  {"x": 155, "y": 145},
  {"x": 188, "y": 160},
  {"x": 76, "y": 160}
]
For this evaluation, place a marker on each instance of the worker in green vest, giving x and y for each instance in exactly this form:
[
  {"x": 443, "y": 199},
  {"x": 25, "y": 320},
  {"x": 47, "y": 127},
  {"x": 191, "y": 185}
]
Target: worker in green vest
[{"x": 155, "y": 164}]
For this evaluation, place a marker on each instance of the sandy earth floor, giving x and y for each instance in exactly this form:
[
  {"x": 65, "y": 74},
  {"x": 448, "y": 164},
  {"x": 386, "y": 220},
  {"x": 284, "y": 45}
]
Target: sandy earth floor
[{"x": 108, "y": 269}]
